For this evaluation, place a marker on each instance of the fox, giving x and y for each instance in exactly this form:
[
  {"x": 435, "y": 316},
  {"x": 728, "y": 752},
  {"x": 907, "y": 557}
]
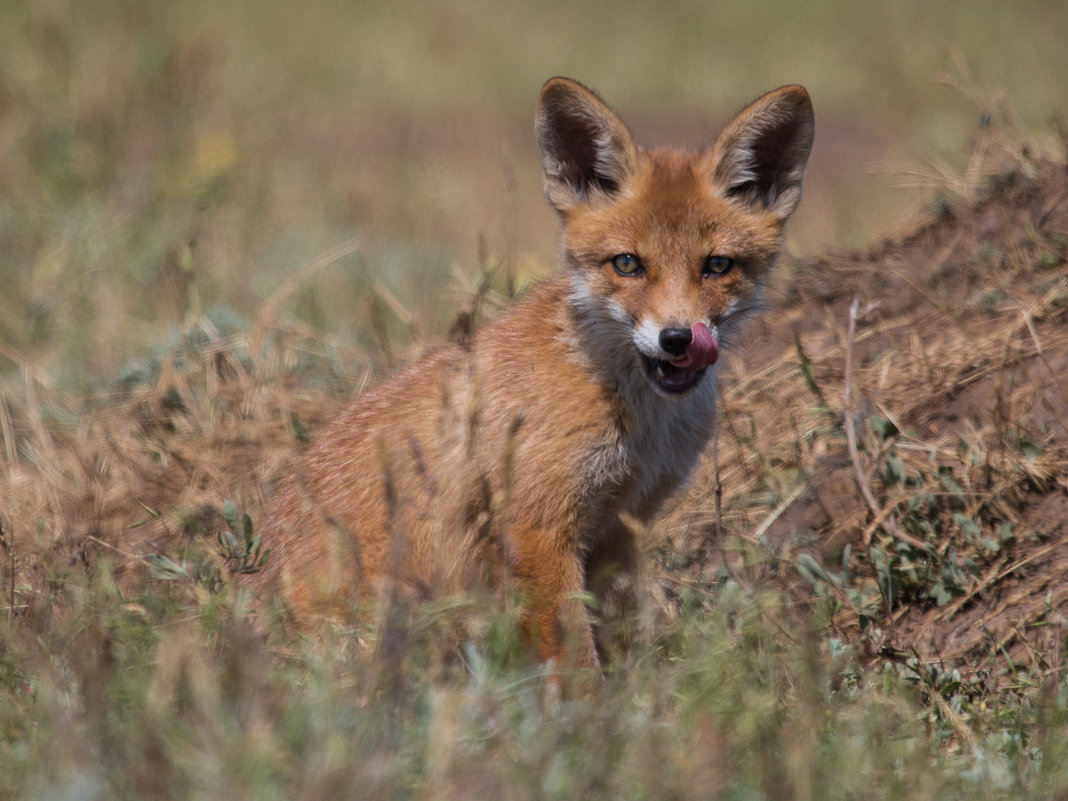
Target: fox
[{"x": 528, "y": 451}]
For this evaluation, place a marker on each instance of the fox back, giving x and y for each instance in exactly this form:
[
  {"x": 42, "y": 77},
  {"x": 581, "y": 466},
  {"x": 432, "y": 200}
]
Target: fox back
[{"x": 521, "y": 452}]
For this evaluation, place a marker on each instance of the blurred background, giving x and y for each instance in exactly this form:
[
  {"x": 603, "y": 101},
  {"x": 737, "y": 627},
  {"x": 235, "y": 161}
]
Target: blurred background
[{"x": 159, "y": 159}]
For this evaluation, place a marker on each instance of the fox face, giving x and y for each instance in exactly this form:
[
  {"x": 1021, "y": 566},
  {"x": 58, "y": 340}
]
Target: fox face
[{"x": 670, "y": 248}]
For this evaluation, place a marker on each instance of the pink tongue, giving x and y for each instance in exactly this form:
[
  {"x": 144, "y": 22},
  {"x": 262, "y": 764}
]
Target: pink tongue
[{"x": 702, "y": 351}]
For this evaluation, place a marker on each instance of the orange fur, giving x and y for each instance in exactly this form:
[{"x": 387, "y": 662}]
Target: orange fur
[{"x": 521, "y": 450}]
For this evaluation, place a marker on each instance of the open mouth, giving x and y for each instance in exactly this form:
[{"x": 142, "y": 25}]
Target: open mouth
[
  {"x": 679, "y": 375},
  {"x": 669, "y": 378}
]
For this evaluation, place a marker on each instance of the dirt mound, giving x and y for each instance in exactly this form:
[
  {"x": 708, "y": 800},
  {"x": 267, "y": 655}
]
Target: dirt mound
[{"x": 941, "y": 529}]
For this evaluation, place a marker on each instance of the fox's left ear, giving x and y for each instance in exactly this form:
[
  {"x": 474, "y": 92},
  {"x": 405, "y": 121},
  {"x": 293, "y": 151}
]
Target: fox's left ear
[{"x": 761, "y": 155}]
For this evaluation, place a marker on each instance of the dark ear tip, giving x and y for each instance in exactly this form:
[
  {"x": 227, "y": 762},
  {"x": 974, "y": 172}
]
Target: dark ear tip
[
  {"x": 798, "y": 96},
  {"x": 559, "y": 82},
  {"x": 559, "y": 88},
  {"x": 798, "y": 91}
]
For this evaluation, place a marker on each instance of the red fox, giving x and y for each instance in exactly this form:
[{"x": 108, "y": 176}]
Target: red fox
[{"x": 522, "y": 450}]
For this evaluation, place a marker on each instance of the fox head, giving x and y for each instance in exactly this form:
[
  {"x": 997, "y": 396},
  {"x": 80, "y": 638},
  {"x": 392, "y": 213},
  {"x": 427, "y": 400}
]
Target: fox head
[{"x": 669, "y": 248}]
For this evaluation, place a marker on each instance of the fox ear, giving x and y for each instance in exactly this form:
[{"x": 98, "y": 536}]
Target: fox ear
[
  {"x": 761, "y": 155},
  {"x": 585, "y": 149}
]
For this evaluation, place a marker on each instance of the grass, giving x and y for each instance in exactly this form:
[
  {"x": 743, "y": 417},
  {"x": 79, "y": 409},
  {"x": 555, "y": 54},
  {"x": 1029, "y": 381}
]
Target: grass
[
  {"x": 217, "y": 220},
  {"x": 134, "y": 697}
]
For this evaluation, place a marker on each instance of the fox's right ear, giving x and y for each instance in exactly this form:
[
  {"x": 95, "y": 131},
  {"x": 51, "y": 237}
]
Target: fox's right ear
[{"x": 585, "y": 149}]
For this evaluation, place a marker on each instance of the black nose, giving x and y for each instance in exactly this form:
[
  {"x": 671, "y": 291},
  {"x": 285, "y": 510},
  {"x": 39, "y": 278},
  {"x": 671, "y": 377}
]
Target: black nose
[{"x": 675, "y": 340}]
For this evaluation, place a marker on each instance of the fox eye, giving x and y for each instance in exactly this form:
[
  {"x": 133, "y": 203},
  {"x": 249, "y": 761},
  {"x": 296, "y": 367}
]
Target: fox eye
[
  {"x": 717, "y": 265},
  {"x": 627, "y": 264}
]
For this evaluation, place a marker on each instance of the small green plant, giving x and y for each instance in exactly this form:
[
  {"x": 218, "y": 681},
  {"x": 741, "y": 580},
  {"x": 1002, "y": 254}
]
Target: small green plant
[
  {"x": 238, "y": 551},
  {"x": 243, "y": 552},
  {"x": 939, "y": 503}
]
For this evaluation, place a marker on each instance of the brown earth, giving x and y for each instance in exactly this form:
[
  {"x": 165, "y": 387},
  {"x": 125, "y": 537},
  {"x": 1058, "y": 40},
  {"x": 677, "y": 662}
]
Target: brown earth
[
  {"x": 960, "y": 341},
  {"x": 942, "y": 532}
]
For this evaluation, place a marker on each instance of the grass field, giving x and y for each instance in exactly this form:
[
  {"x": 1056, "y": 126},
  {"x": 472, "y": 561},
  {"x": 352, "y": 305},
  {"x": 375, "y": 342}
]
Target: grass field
[{"x": 219, "y": 220}]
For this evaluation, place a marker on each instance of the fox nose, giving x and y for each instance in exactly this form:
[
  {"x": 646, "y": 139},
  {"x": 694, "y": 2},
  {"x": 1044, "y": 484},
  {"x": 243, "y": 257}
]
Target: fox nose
[{"x": 675, "y": 340}]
